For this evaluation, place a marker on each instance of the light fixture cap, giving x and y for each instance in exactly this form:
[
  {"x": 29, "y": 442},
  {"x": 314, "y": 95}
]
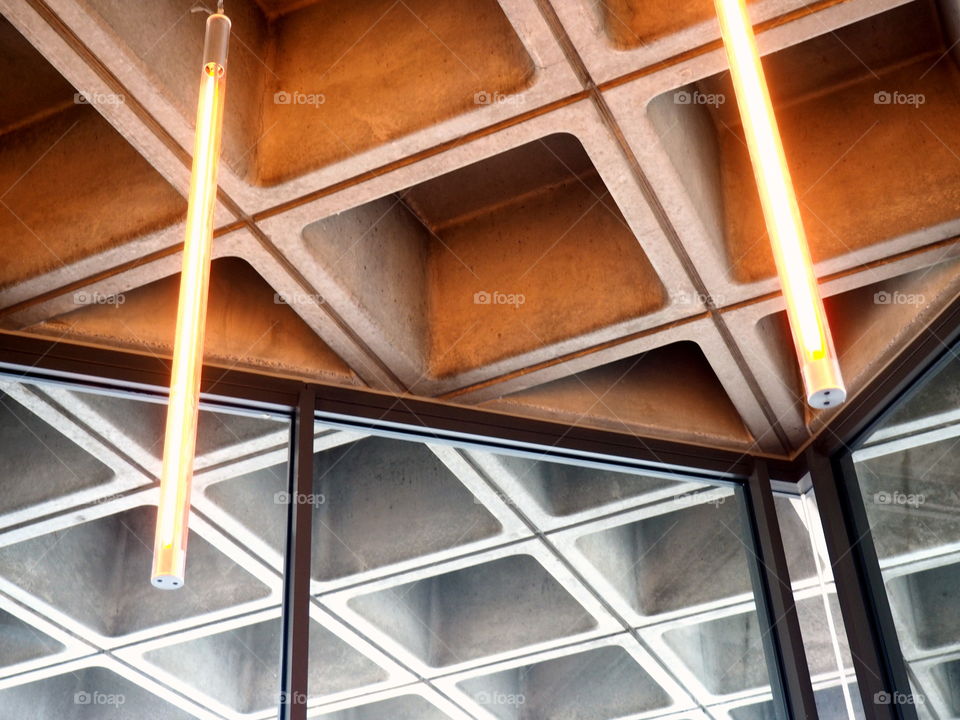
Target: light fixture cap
[
  {"x": 827, "y": 398},
  {"x": 167, "y": 582},
  {"x": 169, "y": 567},
  {"x": 216, "y": 41},
  {"x": 824, "y": 383}
]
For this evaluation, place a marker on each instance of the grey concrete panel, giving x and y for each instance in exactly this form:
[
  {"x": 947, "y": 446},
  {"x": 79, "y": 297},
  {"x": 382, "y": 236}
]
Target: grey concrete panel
[
  {"x": 925, "y": 605},
  {"x": 595, "y": 685},
  {"x": 87, "y": 694},
  {"x": 94, "y": 574},
  {"x": 406, "y": 707},
  {"x": 39, "y": 463},
  {"x": 21, "y": 642},
  {"x": 477, "y": 611},
  {"x": 238, "y": 668}
]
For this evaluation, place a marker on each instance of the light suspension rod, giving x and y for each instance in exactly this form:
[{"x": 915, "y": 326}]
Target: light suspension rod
[
  {"x": 819, "y": 367},
  {"x": 170, "y": 545}
]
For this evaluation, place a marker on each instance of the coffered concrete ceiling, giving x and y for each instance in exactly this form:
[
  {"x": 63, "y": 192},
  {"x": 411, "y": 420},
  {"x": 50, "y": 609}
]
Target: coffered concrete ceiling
[{"x": 542, "y": 207}]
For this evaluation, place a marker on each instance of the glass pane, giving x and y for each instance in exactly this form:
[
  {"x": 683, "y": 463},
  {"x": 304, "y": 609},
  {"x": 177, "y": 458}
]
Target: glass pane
[
  {"x": 909, "y": 475},
  {"x": 83, "y": 633},
  {"x": 821, "y": 624},
  {"x": 525, "y": 588},
  {"x": 834, "y": 702}
]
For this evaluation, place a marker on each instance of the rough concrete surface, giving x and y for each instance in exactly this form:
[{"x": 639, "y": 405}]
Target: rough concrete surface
[{"x": 434, "y": 179}]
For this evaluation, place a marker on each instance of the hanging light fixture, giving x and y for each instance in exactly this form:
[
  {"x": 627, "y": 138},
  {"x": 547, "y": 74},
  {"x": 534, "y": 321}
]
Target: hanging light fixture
[
  {"x": 170, "y": 544},
  {"x": 819, "y": 367}
]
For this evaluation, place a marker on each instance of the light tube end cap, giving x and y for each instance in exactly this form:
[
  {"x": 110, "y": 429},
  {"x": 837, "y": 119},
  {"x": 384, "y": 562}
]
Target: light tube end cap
[
  {"x": 216, "y": 41},
  {"x": 167, "y": 582},
  {"x": 169, "y": 568},
  {"x": 827, "y": 398}
]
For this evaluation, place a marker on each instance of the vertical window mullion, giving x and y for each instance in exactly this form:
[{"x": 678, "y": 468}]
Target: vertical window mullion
[
  {"x": 874, "y": 647},
  {"x": 296, "y": 578},
  {"x": 776, "y": 608}
]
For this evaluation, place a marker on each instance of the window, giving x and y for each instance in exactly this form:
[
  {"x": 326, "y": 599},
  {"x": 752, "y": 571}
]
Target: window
[
  {"x": 908, "y": 475},
  {"x": 451, "y": 574},
  {"x": 83, "y": 634}
]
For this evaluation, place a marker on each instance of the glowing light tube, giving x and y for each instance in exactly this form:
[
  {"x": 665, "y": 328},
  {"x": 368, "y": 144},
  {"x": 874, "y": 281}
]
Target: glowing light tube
[
  {"x": 819, "y": 367},
  {"x": 170, "y": 545}
]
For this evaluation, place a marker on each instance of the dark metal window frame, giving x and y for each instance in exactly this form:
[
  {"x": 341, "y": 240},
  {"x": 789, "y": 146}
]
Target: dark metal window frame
[
  {"x": 878, "y": 666},
  {"x": 874, "y": 644}
]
